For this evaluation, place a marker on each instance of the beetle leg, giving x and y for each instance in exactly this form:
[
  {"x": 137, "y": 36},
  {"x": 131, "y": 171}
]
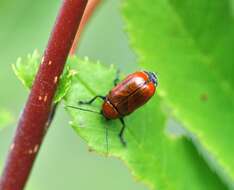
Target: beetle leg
[
  {"x": 92, "y": 100},
  {"x": 121, "y": 133},
  {"x": 116, "y": 80}
]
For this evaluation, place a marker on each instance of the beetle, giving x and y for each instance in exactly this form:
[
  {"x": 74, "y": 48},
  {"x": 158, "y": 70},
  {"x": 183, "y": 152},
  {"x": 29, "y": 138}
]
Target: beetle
[{"x": 133, "y": 92}]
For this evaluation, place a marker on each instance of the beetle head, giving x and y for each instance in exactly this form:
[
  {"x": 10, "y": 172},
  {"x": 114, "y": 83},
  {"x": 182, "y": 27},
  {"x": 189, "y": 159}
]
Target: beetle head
[{"x": 153, "y": 77}]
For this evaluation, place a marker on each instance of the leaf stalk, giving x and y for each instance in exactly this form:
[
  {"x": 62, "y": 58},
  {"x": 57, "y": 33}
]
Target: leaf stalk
[{"x": 33, "y": 122}]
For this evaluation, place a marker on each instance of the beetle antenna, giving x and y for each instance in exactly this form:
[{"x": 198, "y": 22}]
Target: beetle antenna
[
  {"x": 107, "y": 144},
  {"x": 83, "y": 109}
]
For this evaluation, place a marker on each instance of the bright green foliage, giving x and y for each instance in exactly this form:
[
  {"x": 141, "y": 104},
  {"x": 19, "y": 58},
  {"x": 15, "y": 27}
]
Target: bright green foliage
[
  {"x": 64, "y": 84},
  {"x": 26, "y": 69},
  {"x": 5, "y": 119},
  {"x": 153, "y": 157},
  {"x": 160, "y": 161},
  {"x": 190, "y": 44}
]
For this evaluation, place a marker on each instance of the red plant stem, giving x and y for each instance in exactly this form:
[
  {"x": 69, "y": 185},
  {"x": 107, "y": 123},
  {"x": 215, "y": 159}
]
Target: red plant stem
[
  {"x": 33, "y": 122},
  {"x": 89, "y": 10}
]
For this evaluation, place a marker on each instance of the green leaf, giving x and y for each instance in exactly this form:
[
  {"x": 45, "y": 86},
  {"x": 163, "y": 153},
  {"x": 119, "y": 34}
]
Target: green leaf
[
  {"x": 159, "y": 160},
  {"x": 64, "y": 84},
  {"x": 26, "y": 69},
  {"x": 5, "y": 119},
  {"x": 190, "y": 44}
]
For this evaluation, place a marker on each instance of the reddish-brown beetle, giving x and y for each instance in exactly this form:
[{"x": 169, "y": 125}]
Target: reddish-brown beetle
[{"x": 134, "y": 91}]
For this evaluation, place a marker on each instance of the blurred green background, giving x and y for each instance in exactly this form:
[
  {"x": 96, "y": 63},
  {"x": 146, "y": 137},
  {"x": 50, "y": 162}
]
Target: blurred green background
[{"x": 64, "y": 161}]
